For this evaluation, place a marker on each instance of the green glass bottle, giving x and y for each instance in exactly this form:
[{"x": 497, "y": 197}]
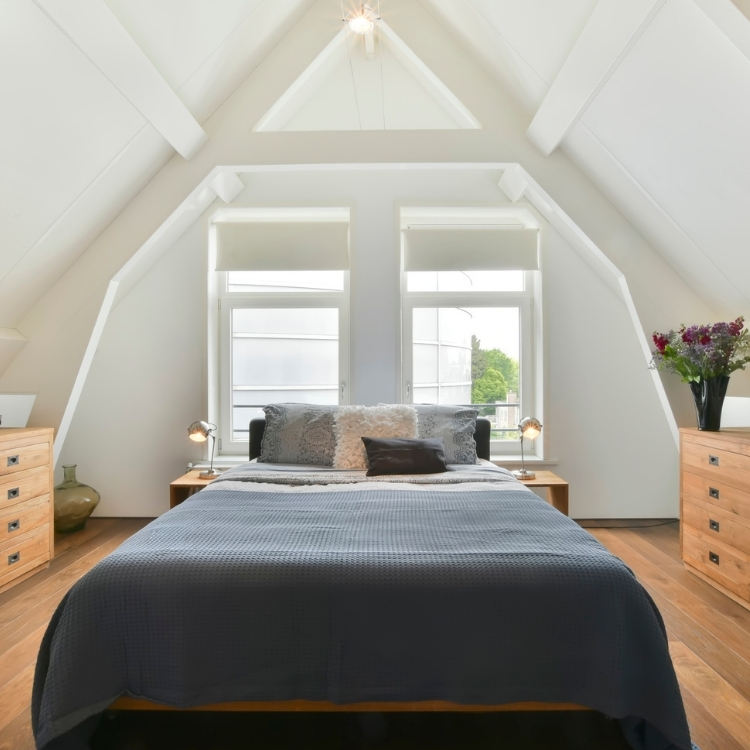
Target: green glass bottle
[{"x": 74, "y": 502}]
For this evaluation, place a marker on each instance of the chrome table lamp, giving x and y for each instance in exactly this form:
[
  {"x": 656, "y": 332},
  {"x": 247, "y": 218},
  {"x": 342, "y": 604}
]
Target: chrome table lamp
[
  {"x": 528, "y": 427},
  {"x": 200, "y": 432}
]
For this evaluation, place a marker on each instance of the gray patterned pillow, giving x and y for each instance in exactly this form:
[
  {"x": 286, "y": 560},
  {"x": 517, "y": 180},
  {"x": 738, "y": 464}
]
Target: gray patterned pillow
[
  {"x": 455, "y": 424},
  {"x": 298, "y": 434}
]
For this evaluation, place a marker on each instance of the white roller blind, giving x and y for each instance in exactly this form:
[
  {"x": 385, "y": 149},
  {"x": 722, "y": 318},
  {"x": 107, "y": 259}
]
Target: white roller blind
[
  {"x": 470, "y": 249},
  {"x": 282, "y": 246}
]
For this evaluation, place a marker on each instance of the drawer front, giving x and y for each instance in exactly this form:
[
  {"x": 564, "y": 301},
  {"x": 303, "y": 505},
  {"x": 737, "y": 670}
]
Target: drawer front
[
  {"x": 17, "y": 488},
  {"x": 18, "y": 521},
  {"x": 717, "y": 525},
  {"x": 719, "y": 465},
  {"x": 13, "y": 460},
  {"x": 27, "y": 554},
  {"x": 728, "y": 567}
]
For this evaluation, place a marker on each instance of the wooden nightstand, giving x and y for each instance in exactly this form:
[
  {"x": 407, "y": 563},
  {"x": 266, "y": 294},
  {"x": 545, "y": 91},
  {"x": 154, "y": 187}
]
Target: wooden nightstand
[
  {"x": 181, "y": 489},
  {"x": 557, "y": 489}
]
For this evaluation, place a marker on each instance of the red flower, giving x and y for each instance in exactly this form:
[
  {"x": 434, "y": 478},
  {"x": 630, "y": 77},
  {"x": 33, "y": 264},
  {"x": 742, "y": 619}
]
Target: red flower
[
  {"x": 687, "y": 336},
  {"x": 705, "y": 339},
  {"x": 660, "y": 342},
  {"x": 735, "y": 327}
]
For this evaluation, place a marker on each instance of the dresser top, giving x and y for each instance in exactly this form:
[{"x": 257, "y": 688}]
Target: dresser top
[
  {"x": 729, "y": 431},
  {"x": 737, "y": 437},
  {"x": 7, "y": 432}
]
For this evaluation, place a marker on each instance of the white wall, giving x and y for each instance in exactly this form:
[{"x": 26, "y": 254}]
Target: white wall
[
  {"x": 59, "y": 325},
  {"x": 604, "y": 420},
  {"x": 147, "y": 384}
]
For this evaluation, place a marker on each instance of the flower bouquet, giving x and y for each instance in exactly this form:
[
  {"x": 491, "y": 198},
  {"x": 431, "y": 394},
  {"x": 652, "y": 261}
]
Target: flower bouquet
[{"x": 704, "y": 357}]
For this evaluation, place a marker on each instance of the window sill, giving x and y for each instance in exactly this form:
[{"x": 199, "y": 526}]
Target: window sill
[
  {"x": 514, "y": 461},
  {"x": 220, "y": 462}
]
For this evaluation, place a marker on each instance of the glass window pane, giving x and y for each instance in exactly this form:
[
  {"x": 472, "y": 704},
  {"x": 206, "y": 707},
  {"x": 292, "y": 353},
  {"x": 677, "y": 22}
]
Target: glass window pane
[
  {"x": 465, "y": 281},
  {"x": 470, "y": 356},
  {"x": 285, "y": 281},
  {"x": 282, "y": 355}
]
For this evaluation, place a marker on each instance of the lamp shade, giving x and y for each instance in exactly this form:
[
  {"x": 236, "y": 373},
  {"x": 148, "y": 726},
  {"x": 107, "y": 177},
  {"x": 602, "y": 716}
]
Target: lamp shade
[
  {"x": 530, "y": 427},
  {"x": 199, "y": 431}
]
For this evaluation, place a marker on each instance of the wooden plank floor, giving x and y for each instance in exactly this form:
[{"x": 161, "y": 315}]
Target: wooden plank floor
[{"x": 709, "y": 634}]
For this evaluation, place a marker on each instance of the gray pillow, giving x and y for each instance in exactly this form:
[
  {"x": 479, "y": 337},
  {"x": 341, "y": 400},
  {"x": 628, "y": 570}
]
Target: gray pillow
[
  {"x": 298, "y": 434},
  {"x": 455, "y": 424}
]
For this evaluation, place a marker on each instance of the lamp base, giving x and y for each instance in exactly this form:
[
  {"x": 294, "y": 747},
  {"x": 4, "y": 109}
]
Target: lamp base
[
  {"x": 523, "y": 474},
  {"x": 209, "y": 474}
]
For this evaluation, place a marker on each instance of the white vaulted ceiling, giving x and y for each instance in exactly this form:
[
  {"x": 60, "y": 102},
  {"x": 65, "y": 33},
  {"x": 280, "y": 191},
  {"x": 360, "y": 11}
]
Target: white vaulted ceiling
[
  {"x": 648, "y": 97},
  {"x": 658, "y": 114},
  {"x": 74, "y": 148},
  {"x": 347, "y": 88}
]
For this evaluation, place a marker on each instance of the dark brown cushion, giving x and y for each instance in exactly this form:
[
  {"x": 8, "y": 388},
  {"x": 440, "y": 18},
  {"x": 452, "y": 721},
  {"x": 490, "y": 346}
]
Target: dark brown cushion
[{"x": 405, "y": 456}]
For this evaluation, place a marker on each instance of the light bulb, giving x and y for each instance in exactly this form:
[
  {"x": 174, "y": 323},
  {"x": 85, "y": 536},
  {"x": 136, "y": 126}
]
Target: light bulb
[
  {"x": 530, "y": 427},
  {"x": 363, "y": 20},
  {"x": 361, "y": 23}
]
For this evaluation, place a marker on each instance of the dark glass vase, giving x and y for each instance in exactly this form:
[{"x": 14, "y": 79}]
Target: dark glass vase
[{"x": 709, "y": 398}]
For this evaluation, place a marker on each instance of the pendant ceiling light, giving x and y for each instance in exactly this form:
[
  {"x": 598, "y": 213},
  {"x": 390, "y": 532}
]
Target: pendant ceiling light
[{"x": 362, "y": 21}]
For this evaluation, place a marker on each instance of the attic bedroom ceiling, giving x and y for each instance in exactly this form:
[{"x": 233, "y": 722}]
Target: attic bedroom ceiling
[
  {"x": 367, "y": 82},
  {"x": 662, "y": 132}
]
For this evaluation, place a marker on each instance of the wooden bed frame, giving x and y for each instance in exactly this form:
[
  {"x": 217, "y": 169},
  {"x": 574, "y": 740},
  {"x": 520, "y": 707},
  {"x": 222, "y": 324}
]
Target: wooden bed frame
[
  {"x": 138, "y": 704},
  {"x": 257, "y": 428}
]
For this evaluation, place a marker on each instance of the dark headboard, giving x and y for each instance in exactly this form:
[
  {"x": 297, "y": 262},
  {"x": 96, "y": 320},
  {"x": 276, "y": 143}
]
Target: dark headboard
[{"x": 481, "y": 437}]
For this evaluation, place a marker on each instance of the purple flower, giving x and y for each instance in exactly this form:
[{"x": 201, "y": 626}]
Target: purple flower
[{"x": 703, "y": 351}]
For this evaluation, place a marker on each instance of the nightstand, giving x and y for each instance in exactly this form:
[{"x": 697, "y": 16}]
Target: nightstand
[
  {"x": 181, "y": 489},
  {"x": 557, "y": 489}
]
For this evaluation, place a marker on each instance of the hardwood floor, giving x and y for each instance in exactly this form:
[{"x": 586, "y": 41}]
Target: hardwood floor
[
  {"x": 709, "y": 634},
  {"x": 26, "y": 608}
]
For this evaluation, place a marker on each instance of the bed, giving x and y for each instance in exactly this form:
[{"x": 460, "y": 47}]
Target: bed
[{"x": 292, "y": 588}]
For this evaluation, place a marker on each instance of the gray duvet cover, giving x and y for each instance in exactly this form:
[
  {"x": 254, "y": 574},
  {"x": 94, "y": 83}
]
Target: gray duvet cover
[{"x": 478, "y": 593}]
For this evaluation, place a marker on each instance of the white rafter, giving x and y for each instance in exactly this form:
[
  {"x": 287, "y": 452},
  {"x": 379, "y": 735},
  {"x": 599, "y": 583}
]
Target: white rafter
[
  {"x": 97, "y": 32},
  {"x": 610, "y": 33}
]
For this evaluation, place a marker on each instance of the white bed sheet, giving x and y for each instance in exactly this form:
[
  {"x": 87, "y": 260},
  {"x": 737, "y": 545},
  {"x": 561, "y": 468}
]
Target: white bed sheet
[{"x": 264, "y": 477}]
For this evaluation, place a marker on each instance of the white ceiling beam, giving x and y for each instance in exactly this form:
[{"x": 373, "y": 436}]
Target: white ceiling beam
[
  {"x": 227, "y": 185},
  {"x": 97, "y": 32},
  {"x": 610, "y": 33}
]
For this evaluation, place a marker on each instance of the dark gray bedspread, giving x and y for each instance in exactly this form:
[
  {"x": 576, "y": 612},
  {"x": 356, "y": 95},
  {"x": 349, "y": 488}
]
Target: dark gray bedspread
[{"x": 466, "y": 596}]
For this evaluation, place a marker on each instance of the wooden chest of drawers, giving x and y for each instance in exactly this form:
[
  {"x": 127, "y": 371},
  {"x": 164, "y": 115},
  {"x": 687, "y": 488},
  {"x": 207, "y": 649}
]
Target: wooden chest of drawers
[
  {"x": 26, "y": 503},
  {"x": 715, "y": 509}
]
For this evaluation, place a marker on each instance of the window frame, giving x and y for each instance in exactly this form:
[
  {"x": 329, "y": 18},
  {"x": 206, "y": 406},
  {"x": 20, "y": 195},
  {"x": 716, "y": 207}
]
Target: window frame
[
  {"x": 529, "y": 359},
  {"x": 229, "y": 301}
]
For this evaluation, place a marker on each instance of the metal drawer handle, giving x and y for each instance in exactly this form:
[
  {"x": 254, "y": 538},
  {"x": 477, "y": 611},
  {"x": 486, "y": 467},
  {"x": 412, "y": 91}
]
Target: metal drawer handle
[
  {"x": 14, "y": 525},
  {"x": 14, "y": 558},
  {"x": 713, "y": 460},
  {"x": 14, "y": 493},
  {"x": 713, "y": 557},
  {"x": 713, "y": 525},
  {"x": 713, "y": 492},
  {"x": 12, "y": 460}
]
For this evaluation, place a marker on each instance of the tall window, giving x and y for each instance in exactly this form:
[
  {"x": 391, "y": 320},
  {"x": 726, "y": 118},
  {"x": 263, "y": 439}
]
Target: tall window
[
  {"x": 283, "y": 319},
  {"x": 468, "y": 322}
]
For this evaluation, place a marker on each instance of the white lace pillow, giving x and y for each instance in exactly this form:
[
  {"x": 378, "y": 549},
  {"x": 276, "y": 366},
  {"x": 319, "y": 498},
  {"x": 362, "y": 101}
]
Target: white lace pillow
[{"x": 352, "y": 423}]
